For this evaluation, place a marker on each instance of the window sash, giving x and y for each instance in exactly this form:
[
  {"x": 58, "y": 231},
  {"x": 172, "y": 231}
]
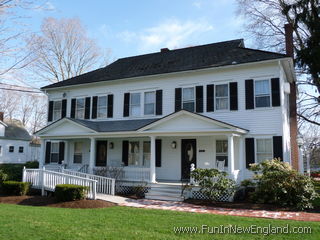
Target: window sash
[
  {"x": 80, "y": 106},
  {"x": 21, "y": 149},
  {"x": 222, "y": 151},
  {"x": 11, "y": 149},
  {"x": 56, "y": 112},
  {"x": 149, "y": 103},
  {"x": 222, "y": 97},
  {"x": 134, "y": 153},
  {"x": 264, "y": 149},
  {"x": 262, "y": 93},
  {"x": 54, "y": 154},
  {"x": 102, "y": 106},
  {"x": 135, "y": 104}
]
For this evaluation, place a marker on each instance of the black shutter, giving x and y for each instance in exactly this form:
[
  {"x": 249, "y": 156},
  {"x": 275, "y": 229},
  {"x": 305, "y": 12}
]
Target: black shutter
[
  {"x": 275, "y": 89},
  {"x": 48, "y": 152},
  {"x": 199, "y": 99},
  {"x": 125, "y": 152},
  {"x": 61, "y": 152},
  {"x": 249, "y": 151},
  {"x": 110, "y": 105},
  {"x": 249, "y": 94},
  {"x": 87, "y": 108},
  {"x": 50, "y": 111},
  {"x": 177, "y": 106},
  {"x": 64, "y": 108},
  {"x": 210, "y": 98},
  {"x": 73, "y": 108},
  {"x": 233, "y": 92},
  {"x": 126, "y": 104},
  {"x": 94, "y": 107},
  {"x": 159, "y": 102},
  {"x": 277, "y": 147},
  {"x": 158, "y": 152}
]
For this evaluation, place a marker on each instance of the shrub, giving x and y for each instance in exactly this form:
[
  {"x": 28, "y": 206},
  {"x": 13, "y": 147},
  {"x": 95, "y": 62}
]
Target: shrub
[
  {"x": 3, "y": 176},
  {"x": 278, "y": 183},
  {"x": 213, "y": 183},
  {"x": 13, "y": 171},
  {"x": 70, "y": 192},
  {"x": 15, "y": 188},
  {"x": 32, "y": 164}
]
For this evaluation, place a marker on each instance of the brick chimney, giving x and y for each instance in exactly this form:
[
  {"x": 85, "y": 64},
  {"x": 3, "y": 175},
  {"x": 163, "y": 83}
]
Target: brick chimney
[
  {"x": 293, "y": 101},
  {"x": 1, "y": 116},
  {"x": 164, "y": 50}
]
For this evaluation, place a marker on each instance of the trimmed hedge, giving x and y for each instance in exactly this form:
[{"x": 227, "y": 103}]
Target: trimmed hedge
[
  {"x": 70, "y": 192},
  {"x": 32, "y": 164},
  {"x": 15, "y": 188},
  {"x": 14, "y": 171}
]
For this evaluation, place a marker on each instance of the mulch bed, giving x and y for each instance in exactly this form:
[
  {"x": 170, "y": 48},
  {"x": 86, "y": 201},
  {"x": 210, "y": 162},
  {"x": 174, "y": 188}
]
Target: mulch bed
[
  {"x": 51, "y": 202},
  {"x": 244, "y": 205}
]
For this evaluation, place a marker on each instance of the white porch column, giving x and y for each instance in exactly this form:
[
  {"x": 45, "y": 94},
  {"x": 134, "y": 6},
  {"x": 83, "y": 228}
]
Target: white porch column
[
  {"x": 92, "y": 154},
  {"x": 66, "y": 153},
  {"x": 153, "y": 159},
  {"x": 230, "y": 154},
  {"x": 242, "y": 163},
  {"x": 42, "y": 153}
]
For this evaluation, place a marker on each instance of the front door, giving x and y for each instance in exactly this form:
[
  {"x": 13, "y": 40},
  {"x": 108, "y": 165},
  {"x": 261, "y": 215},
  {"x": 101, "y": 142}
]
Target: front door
[
  {"x": 188, "y": 156},
  {"x": 101, "y": 154}
]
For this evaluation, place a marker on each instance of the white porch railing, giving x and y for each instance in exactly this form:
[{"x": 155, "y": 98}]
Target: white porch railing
[
  {"x": 47, "y": 180},
  {"x": 135, "y": 174},
  {"x": 104, "y": 185}
]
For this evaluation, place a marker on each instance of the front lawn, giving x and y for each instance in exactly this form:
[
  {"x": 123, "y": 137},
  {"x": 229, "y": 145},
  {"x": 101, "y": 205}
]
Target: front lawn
[{"x": 25, "y": 222}]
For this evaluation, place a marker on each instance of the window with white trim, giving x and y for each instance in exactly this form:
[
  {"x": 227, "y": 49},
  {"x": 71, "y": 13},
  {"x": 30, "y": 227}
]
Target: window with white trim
[
  {"x": 54, "y": 154},
  {"x": 222, "y": 97},
  {"x": 56, "y": 112},
  {"x": 134, "y": 153},
  {"x": 135, "y": 104},
  {"x": 80, "y": 106},
  {"x": 149, "y": 103},
  {"x": 146, "y": 153},
  {"x": 264, "y": 149},
  {"x": 77, "y": 155},
  {"x": 102, "y": 107},
  {"x": 262, "y": 93},
  {"x": 188, "y": 99},
  {"x": 222, "y": 151}
]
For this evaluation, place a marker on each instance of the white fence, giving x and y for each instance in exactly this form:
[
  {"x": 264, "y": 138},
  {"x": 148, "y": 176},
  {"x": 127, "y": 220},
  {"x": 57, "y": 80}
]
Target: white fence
[
  {"x": 104, "y": 185},
  {"x": 47, "y": 180}
]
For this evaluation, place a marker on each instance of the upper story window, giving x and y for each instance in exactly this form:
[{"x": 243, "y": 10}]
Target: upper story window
[
  {"x": 188, "y": 99},
  {"x": 264, "y": 149},
  {"x": 149, "y": 103},
  {"x": 80, "y": 106},
  {"x": 222, "y": 97},
  {"x": 102, "y": 107},
  {"x": 262, "y": 93},
  {"x": 135, "y": 104},
  {"x": 56, "y": 112},
  {"x": 11, "y": 149}
]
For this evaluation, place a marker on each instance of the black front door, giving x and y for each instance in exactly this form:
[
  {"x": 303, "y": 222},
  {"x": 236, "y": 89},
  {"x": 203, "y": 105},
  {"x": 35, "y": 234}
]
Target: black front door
[
  {"x": 188, "y": 156},
  {"x": 101, "y": 154}
]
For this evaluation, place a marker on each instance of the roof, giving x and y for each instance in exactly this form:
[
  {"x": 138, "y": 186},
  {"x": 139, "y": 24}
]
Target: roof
[
  {"x": 15, "y": 132},
  {"x": 184, "y": 59}
]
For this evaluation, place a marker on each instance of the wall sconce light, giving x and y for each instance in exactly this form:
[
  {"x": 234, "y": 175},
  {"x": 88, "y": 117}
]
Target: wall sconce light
[
  {"x": 174, "y": 145},
  {"x": 111, "y": 145}
]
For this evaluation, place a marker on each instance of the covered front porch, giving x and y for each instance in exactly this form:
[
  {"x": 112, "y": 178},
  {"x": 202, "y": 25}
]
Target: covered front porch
[{"x": 163, "y": 150}]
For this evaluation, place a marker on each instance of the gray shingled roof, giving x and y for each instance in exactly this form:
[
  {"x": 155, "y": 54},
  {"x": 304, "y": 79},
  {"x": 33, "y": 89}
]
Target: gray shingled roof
[
  {"x": 114, "y": 126},
  {"x": 191, "y": 58},
  {"x": 15, "y": 132}
]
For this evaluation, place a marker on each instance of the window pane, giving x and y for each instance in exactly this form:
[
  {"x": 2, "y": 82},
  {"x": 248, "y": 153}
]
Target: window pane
[
  {"x": 80, "y": 113},
  {"x": 189, "y": 106},
  {"x": 135, "y": 98},
  {"x": 149, "y": 97},
  {"x": 102, "y": 112},
  {"x": 264, "y": 149},
  {"x": 54, "y": 157},
  {"x": 222, "y": 146},
  {"x": 78, "y": 147},
  {"x": 146, "y": 154},
  {"x": 188, "y": 94},
  {"x": 80, "y": 103},
  {"x": 149, "y": 108},
  {"x": 102, "y": 102},
  {"x": 222, "y": 90},
  {"x": 133, "y": 153},
  {"x": 261, "y": 87},
  {"x": 57, "y": 105},
  {"x": 221, "y": 103},
  {"x": 262, "y": 157},
  {"x": 135, "y": 110},
  {"x": 263, "y": 101},
  {"x": 55, "y": 147}
]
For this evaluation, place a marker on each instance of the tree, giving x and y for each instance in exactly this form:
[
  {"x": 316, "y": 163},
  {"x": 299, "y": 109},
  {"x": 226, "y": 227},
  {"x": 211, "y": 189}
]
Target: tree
[
  {"x": 264, "y": 22},
  {"x": 62, "y": 50}
]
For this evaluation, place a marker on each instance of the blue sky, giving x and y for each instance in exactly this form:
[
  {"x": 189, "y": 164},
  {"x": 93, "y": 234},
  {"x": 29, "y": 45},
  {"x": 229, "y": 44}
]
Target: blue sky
[{"x": 135, "y": 27}]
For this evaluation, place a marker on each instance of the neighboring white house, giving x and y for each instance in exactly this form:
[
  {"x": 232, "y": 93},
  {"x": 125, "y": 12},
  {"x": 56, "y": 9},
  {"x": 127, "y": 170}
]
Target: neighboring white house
[
  {"x": 156, "y": 114},
  {"x": 15, "y": 144}
]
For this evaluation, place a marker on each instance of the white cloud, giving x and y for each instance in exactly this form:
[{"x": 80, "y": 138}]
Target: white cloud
[{"x": 171, "y": 33}]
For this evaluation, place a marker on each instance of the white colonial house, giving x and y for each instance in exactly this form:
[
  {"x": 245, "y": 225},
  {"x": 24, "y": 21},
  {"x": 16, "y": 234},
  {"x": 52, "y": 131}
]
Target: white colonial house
[{"x": 220, "y": 105}]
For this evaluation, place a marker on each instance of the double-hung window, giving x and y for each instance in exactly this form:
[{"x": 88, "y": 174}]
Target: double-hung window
[
  {"x": 222, "y": 97},
  {"x": 80, "y": 105},
  {"x": 222, "y": 151},
  {"x": 135, "y": 104},
  {"x": 134, "y": 153},
  {"x": 262, "y": 93},
  {"x": 264, "y": 149},
  {"x": 77, "y": 156},
  {"x": 146, "y": 153},
  {"x": 54, "y": 155},
  {"x": 20, "y": 149},
  {"x": 56, "y": 113},
  {"x": 149, "y": 103},
  {"x": 11, "y": 149},
  {"x": 102, "y": 107},
  {"x": 188, "y": 99}
]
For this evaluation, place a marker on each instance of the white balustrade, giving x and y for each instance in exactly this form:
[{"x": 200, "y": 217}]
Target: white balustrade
[{"x": 136, "y": 174}]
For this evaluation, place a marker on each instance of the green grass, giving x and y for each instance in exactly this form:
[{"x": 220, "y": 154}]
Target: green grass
[{"x": 24, "y": 222}]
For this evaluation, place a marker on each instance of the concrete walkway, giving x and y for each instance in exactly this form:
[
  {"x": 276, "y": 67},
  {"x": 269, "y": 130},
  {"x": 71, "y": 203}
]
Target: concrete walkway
[{"x": 187, "y": 207}]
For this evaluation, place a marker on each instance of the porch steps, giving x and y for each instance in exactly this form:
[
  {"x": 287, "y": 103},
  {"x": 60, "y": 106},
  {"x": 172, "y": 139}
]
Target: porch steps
[{"x": 165, "y": 191}]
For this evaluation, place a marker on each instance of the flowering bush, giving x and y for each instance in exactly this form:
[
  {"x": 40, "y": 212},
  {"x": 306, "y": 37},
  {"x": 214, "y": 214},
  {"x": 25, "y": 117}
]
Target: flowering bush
[
  {"x": 213, "y": 184},
  {"x": 278, "y": 183}
]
